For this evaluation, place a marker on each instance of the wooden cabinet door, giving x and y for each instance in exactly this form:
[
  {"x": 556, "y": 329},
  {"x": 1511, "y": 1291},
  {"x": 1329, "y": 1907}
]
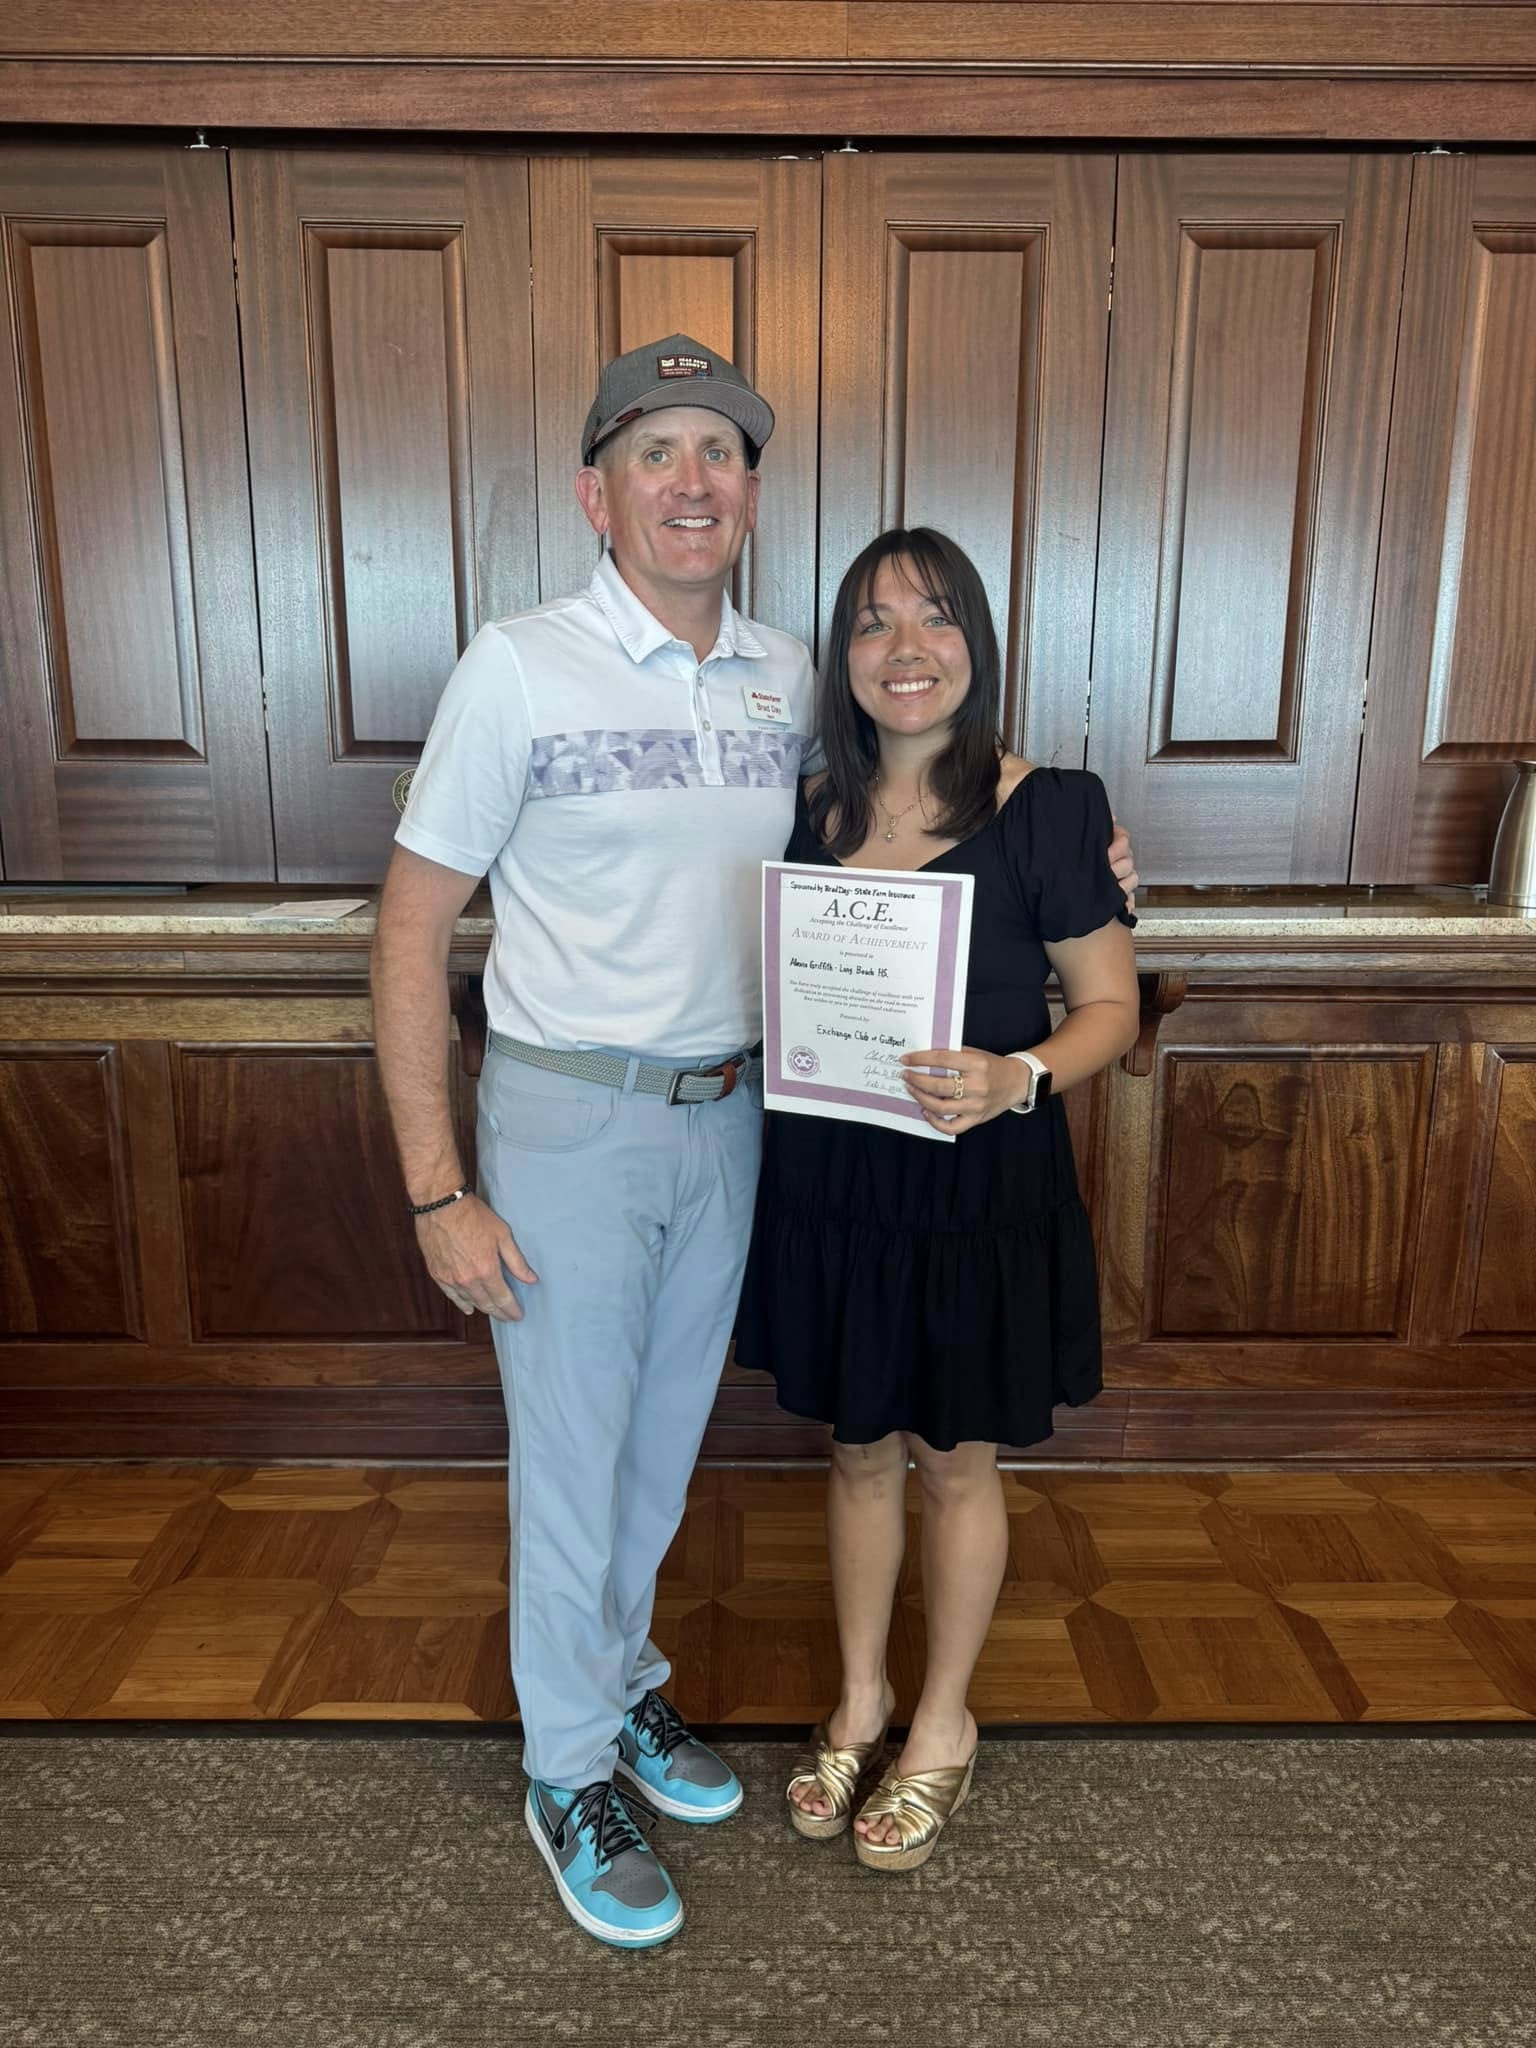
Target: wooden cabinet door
[
  {"x": 630, "y": 250},
  {"x": 963, "y": 388},
  {"x": 1453, "y": 668},
  {"x": 130, "y": 683},
  {"x": 1251, "y": 351},
  {"x": 1315, "y": 1226},
  {"x": 385, "y": 315},
  {"x": 203, "y": 1246}
]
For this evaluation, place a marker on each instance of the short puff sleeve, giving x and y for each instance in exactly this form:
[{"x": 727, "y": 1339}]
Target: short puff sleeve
[{"x": 1057, "y": 845}]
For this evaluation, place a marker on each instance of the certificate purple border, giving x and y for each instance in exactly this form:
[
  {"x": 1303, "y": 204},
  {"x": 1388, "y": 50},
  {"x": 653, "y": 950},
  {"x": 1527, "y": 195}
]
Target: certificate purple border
[{"x": 952, "y": 890}]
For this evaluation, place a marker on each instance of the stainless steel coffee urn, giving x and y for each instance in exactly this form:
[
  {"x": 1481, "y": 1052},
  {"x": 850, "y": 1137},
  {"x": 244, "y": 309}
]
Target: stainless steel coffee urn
[{"x": 1512, "y": 882}]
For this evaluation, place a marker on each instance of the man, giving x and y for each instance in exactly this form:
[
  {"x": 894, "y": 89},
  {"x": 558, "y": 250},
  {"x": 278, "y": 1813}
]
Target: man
[{"x": 621, "y": 762}]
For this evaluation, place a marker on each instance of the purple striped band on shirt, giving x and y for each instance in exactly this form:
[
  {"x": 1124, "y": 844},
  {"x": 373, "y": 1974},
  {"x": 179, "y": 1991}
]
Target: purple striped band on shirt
[{"x": 599, "y": 763}]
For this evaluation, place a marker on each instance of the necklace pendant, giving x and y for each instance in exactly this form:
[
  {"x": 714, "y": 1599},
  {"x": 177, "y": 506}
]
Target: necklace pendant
[{"x": 889, "y": 837}]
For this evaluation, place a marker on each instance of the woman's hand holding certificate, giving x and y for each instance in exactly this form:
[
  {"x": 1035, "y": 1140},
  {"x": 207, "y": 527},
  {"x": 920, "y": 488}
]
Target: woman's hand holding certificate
[
  {"x": 860, "y": 966},
  {"x": 966, "y": 1087}
]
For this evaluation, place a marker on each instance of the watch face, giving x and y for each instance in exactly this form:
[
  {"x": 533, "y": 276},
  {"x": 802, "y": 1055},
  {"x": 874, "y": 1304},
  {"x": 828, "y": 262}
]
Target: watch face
[{"x": 1042, "y": 1087}]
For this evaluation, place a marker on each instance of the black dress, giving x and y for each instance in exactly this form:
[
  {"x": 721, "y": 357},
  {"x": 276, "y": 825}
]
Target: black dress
[{"x": 949, "y": 1290}]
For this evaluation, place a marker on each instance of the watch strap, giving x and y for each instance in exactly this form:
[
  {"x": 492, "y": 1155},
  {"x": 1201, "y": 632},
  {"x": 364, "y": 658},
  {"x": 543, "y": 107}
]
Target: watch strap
[{"x": 1040, "y": 1082}]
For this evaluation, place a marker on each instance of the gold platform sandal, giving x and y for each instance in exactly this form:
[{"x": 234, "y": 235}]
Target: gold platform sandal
[
  {"x": 920, "y": 1805},
  {"x": 840, "y": 1774}
]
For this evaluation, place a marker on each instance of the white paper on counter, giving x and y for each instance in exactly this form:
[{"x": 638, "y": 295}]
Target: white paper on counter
[{"x": 330, "y": 906}]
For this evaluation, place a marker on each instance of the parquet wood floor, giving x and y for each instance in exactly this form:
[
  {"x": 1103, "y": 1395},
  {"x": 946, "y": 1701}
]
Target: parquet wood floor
[{"x": 134, "y": 1592}]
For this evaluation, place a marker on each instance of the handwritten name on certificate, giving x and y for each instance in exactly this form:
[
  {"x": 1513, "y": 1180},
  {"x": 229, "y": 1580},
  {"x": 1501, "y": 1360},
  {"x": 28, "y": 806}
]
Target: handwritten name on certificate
[{"x": 859, "y": 966}]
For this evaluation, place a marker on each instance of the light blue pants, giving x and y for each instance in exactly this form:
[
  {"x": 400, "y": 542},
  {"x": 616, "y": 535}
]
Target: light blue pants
[{"x": 635, "y": 1216}]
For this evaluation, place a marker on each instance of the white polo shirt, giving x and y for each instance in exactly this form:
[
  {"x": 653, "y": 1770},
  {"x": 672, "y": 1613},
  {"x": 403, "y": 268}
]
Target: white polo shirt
[{"x": 622, "y": 794}]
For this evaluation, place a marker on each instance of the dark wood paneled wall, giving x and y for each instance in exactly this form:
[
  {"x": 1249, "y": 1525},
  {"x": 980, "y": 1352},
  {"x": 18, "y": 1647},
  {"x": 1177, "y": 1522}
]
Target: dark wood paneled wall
[
  {"x": 1197, "y": 552},
  {"x": 1314, "y": 1218},
  {"x": 1264, "y": 357}
]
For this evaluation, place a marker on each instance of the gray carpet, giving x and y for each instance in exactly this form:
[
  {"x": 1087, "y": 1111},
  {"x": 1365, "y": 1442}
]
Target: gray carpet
[{"x": 357, "y": 1892}]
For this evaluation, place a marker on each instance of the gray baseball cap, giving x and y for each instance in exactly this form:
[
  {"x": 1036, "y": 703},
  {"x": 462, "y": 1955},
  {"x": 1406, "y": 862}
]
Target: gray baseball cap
[{"x": 677, "y": 371}]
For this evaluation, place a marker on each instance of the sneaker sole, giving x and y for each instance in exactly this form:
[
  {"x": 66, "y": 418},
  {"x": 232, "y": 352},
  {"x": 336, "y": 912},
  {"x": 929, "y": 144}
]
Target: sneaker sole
[
  {"x": 675, "y": 1809},
  {"x": 615, "y": 1937}
]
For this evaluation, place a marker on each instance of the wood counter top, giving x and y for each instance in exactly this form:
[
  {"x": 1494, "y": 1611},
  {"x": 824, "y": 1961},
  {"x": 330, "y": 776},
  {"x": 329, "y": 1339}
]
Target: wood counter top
[{"x": 1442, "y": 936}]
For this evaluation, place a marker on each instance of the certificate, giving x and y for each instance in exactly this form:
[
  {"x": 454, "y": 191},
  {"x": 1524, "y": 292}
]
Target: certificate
[{"x": 859, "y": 966}]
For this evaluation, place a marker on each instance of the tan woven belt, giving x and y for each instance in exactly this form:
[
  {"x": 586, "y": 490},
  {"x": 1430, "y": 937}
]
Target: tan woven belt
[{"x": 673, "y": 1084}]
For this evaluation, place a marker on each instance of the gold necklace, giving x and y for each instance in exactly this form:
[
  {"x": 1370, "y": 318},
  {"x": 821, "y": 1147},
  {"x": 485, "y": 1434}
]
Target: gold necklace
[{"x": 894, "y": 818}]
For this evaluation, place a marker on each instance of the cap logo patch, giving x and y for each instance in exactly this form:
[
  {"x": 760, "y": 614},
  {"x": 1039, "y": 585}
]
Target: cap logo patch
[{"x": 684, "y": 366}]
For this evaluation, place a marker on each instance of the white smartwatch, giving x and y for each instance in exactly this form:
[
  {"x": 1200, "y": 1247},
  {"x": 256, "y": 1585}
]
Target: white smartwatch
[{"x": 1039, "y": 1086}]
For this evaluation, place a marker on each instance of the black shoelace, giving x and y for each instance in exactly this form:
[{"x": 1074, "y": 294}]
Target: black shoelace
[
  {"x": 662, "y": 1723},
  {"x": 617, "y": 1819}
]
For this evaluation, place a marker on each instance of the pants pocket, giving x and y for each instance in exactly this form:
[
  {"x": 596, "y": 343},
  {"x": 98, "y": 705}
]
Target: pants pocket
[{"x": 537, "y": 1112}]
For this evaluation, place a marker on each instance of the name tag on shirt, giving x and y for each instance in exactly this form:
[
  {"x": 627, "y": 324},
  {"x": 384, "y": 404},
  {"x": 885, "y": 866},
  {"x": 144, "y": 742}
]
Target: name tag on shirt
[{"x": 766, "y": 707}]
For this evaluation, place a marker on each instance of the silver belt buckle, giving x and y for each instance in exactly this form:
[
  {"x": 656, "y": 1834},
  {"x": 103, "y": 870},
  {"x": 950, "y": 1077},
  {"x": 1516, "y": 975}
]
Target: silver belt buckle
[{"x": 729, "y": 1072}]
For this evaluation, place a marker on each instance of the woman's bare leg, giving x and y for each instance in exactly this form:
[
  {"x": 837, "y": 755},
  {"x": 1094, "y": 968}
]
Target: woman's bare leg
[
  {"x": 965, "y": 1552},
  {"x": 866, "y": 1536}
]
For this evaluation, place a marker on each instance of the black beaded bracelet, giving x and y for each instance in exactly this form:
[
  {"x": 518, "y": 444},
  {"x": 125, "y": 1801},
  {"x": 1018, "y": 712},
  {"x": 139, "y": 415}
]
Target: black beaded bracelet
[{"x": 426, "y": 1208}]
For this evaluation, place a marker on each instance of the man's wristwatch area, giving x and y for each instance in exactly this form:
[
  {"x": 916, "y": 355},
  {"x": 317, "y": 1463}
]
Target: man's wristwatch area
[{"x": 1039, "y": 1083}]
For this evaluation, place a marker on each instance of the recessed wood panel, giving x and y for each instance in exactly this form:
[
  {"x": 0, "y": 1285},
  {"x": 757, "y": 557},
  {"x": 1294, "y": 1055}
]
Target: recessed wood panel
[
  {"x": 1250, "y": 384},
  {"x": 391, "y": 411},
  {"x": 134, "y": 747},
  {"x": 1503, "y": 1260},
  {"x": 646, "y": 278},
  {"x": 626, "y": 252},
  {"x": 388, "y": 378},
  {"x": 1454, "y": 641},
  {"x": 67, "y": 1253},
  {"x": 104, "y": 443},
  {"x": 1291, "y": 1183},
  {"x": 291, "y": 1198},
  {"x": 1245, "y": 437},
  {"x": 963, "y": 355},
  {"x": 1482, "y": 676}
]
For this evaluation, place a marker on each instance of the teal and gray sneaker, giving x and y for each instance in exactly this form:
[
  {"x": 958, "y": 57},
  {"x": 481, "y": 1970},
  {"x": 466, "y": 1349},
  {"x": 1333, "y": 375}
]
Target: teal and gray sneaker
[
  {"x": 608, "y": 1879},
  {"x": 678, "y": 1775}
]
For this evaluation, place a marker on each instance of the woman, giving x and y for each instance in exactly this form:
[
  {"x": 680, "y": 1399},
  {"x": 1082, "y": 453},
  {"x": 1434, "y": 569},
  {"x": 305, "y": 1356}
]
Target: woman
[{"x": 932, "y": 1301}]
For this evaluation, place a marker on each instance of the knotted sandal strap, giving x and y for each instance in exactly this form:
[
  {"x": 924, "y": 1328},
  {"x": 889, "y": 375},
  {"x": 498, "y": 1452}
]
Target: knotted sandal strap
[
  {"x": 836, "y": 1772},
  {"x": 919, "y": 1804}
]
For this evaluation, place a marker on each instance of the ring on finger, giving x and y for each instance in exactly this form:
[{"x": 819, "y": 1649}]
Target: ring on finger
[{"x": 959, "y": 1093}]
